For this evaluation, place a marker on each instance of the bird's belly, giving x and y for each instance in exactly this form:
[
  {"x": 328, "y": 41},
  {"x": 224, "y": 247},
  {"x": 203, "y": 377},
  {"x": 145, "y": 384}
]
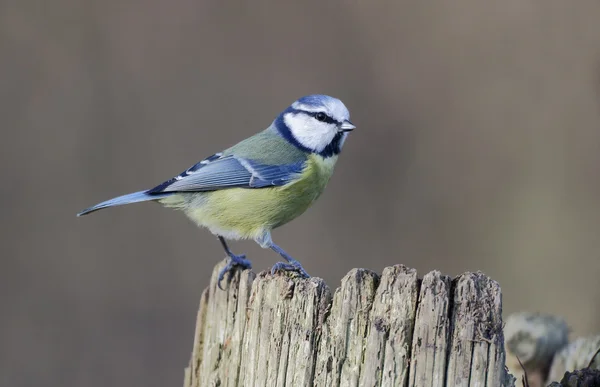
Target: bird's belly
[{"x": 240, "y": 213}]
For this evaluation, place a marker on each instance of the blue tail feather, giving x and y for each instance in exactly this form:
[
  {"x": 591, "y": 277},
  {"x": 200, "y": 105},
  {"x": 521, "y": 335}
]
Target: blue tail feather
[{"x": 136, "y": 197}]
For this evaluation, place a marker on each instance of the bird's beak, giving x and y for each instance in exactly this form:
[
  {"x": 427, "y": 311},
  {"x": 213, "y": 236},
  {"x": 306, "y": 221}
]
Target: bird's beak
[{"x": 347, "y": 126}]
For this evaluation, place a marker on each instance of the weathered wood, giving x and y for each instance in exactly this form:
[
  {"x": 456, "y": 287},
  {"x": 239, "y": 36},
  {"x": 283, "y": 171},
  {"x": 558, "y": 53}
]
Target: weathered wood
[
  {"x": 579, "y": 354},
  {"x": 430, "y": 338},
  {"x": 340, "y": 353},
  {"x": 393, "y": 330},
  {"x": 476, "y": 354},
  {"x": 540, "y": 343},
  {"x": 220, "y": 329},
  {"x": 533, "y": 339},
  {"x": 389, "y": 341},
  {"x": 284, "y": 320},
  {"x": 586, "y": 377}
]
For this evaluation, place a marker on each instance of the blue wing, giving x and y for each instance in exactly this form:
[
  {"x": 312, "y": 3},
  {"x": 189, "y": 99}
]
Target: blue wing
[{"x": 221, "y": 172}]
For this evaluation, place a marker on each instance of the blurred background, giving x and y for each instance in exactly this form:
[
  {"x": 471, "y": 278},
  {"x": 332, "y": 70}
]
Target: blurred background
[{"x": 477, "y": 148}]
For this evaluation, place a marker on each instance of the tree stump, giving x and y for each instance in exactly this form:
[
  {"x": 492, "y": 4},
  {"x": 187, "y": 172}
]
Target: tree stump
[{"x": 388, "y": 330}]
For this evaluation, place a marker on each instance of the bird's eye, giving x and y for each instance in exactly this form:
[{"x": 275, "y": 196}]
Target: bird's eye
[{"x": 321, "y": 117}]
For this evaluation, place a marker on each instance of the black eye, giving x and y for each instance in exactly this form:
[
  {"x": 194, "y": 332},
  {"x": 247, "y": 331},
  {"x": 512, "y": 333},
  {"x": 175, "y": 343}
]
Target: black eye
[{"x": 321, "y": 117}]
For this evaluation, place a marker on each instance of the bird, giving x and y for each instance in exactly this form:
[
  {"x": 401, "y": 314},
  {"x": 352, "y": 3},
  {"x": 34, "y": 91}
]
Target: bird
[{"x": 259, "y": 184}]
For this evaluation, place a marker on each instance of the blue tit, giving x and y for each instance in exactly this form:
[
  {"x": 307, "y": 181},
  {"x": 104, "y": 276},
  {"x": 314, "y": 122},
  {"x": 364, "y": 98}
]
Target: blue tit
[{"x": 261, "y": 183}]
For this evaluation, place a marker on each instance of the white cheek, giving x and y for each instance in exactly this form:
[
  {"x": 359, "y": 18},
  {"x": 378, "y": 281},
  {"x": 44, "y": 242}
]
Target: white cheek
[{"x": 309, "y": 132}]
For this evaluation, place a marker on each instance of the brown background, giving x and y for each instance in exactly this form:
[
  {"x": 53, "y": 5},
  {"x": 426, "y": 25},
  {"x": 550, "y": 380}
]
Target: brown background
[{"x": 477, "y": 148}]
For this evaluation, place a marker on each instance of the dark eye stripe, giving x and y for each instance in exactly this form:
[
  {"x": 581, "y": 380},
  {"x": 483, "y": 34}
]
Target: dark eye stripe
[{"x": 327, "y": 119}]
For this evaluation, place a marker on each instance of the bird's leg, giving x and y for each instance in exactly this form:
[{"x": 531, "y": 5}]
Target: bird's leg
[
  {"x": 234, "y": 260},
  {"x": 291, "y": 265}
]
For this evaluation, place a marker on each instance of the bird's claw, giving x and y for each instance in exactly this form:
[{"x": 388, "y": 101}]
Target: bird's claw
[
  {"x": 235, "y": 262},
  {"x": 291, "y": 265}
]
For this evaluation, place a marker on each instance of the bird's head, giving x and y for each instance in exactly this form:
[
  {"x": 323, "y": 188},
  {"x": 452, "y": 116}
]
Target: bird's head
[{"x": 316, "y": 123}]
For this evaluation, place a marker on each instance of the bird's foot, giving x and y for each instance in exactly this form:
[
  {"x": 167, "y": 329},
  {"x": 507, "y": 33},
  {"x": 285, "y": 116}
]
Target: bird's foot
[
  {"x": 290, "y": 265},
  {"x": 235, "y": 262}
]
